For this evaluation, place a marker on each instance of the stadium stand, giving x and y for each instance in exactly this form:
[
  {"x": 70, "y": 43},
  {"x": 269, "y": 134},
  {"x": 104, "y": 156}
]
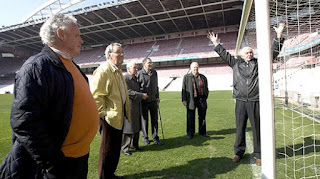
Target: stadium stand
[
  {"x": 195, "y": 46},
  {"x": 200, "y": 45},
  {"x": 228, "y": 40},
  {"x": 166, "y": 49},
  {"x": 9, "y": 66},
  {"x": 219, "y": 76},
  {"x": 8, "y": 69},
  {"x": 250, "y": 40},
  {"x": 186, "y": 47},
  {"x": 207, "y": 69},
  {"x": 298, "y": 61},
  {"x": 137, "y": 51},
  {"x": 90, "y": 56},
  {"x": 298, "y": 84}
]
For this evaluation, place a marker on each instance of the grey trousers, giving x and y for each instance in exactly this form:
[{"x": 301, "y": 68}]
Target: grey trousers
[{"x": 130, "y": 141}]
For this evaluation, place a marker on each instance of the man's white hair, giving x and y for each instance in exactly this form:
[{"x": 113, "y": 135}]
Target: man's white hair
[
  {"x": 109, "y": 49},
  {"x": 131, "y": 64},
  {"x": 243, "y": 50},
  {"x": 194, "y": 64},
  {"x": 48, "y": 31}
]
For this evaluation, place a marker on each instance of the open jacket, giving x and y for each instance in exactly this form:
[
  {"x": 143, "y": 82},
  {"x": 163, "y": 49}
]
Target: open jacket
[
  {"x": 106, "y": 90},
  {"x": 149, "y": 84},
  {"x": 245, "y": 74},
  {"x": 188, "y": 89},
  {"x": 135, "y": 97},
  {"x": 40, "y": 115}
]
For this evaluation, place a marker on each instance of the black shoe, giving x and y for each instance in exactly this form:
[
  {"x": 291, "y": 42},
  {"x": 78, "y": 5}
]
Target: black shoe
[
  {"x": 189, "y": 137},
  {"x": 127, "y": 153},
  {"x": 236, "y": 159},
  {"x": 157, "y": 141}
]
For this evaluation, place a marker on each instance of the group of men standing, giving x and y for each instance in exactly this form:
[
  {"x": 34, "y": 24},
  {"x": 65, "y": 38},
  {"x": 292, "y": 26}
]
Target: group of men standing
[{"x": 55, "y": 117}]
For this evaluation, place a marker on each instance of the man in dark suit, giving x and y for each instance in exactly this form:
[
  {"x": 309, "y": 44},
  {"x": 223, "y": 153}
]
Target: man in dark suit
[
  {"x": 148, "y": 79},
  {"x": 131, "y": 129},
  {"x": 194, "y": 95}
]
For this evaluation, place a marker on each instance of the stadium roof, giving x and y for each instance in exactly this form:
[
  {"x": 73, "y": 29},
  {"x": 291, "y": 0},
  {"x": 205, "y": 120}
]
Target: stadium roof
[{"x": 104, "y": 23}]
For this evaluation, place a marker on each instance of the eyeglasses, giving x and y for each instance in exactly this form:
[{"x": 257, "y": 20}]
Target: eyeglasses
[{"x": 122, "y": 53}]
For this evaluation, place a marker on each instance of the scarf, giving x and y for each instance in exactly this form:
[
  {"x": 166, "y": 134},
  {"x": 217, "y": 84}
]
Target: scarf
[{"x": 197, "y": 87}]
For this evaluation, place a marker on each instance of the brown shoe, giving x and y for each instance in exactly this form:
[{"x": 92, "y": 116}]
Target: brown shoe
[
  {"x": 258, "y": 162},
  {"x": 236, "y": 159}
]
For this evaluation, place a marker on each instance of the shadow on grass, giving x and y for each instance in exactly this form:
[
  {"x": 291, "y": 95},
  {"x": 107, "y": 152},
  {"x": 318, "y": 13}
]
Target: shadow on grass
[
  {"x": 181, "y": 141},
  {"x": 310, "y": 146},
  {"x": 208, "y": 167}
]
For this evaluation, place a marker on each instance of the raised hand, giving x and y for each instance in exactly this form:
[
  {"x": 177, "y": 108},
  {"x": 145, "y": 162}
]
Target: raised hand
[
  {"x": 213, "y": 37},
  {"x": 279, "y": 29}
]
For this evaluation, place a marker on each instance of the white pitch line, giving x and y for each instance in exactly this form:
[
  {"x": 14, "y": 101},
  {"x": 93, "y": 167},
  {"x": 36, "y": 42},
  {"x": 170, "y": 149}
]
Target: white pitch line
[{"x": 256, "y": 170}]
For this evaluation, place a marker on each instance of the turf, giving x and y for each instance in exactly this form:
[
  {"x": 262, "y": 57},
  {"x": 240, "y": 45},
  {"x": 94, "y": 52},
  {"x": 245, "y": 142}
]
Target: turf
[{"x": 180, "y": 157}]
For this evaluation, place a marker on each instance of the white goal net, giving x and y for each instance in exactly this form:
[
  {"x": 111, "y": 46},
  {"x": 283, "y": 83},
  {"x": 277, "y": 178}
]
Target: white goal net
[{"x": 296, "y": 86}]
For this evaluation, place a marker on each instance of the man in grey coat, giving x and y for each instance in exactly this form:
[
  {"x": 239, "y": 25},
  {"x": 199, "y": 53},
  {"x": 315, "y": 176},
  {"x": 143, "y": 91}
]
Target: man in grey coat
[
  {"x": 194, "y": 95},
  {"x": 131, "y": 129}
]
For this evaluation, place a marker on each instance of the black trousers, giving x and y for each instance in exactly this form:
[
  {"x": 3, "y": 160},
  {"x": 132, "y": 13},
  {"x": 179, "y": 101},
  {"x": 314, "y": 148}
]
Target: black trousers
[
  {"x": 153, "y": 108},
  {"x": 201, "y": 104},
  {"x": 243, "y": 111},
  {"x": 110, "y": 148},
  {"x": 69, "y": 168}
]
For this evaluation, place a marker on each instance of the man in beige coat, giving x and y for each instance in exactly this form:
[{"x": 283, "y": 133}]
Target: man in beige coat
[{"x": 111, "y": 95}]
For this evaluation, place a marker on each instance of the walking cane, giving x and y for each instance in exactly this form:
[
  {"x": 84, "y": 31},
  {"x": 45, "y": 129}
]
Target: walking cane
[{"x": 160, "y": 121}]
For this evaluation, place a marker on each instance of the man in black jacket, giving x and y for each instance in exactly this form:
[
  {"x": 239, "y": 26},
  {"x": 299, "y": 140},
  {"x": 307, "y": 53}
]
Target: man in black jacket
[
  {"x": 148, "y": 79},
  {"x": 54, "y": 117},
  {"x": 246, "y": 91},
  {"x": 194, "y": 95}
]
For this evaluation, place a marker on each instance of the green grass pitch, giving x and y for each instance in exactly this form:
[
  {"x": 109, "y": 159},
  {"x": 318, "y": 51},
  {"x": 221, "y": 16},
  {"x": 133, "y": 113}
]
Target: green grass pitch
[{"x": 178, "y": 157}]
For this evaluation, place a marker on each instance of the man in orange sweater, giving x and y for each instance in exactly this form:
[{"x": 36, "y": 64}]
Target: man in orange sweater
[{"x": 54, "y": 117}]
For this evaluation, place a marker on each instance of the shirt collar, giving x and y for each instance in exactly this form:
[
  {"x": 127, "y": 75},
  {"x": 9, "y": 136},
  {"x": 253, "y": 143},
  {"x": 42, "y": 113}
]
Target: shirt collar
[
  {"x": 132, "y": 77},
  {"x": 114, "y": 67},
  {"x": 63, "y": 54},
  {"x": 149, "y": 73},
  {"x": 196, "y": 75}
]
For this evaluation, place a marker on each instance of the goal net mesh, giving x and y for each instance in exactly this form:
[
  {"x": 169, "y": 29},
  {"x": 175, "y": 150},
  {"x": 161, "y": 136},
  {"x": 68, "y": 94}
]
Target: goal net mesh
[{"x": 296, "y": 83}]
